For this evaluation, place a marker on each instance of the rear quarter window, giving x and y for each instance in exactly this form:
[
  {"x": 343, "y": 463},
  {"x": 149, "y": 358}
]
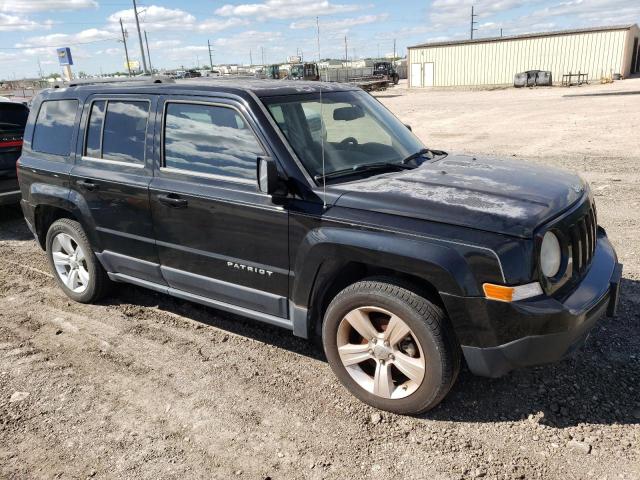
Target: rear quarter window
[{"x": 54, "y": 127}]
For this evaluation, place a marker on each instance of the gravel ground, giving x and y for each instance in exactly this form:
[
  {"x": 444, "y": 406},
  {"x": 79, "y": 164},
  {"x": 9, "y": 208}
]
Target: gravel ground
[{"x": 145, "y": 386}]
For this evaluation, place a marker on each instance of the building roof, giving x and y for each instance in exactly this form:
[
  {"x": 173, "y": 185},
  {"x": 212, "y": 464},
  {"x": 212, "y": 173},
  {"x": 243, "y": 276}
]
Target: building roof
[{"x": 525, "y": 36}]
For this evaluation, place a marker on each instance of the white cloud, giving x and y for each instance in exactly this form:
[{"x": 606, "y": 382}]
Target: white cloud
[
  {"x": 344, "y": 23},
  {"x": 242, "y": 43},
  {"x": 284, "y": 9},
  {"x": 447, "y": 13},
  {"x": 111, "y": 52},
  {"x": 192, "y": 49},
  {"x": 591, "y": 12},
  {"x": 4, "y": 56},
  {"x": 217, "y": 25},
  {"x": 164, "y": 43},
  {"x": 154, "y": 17},
  {"x": 29, "y": 6},
  {"x": 64, "y": 39},
  {"x": 9, "y": 23}
]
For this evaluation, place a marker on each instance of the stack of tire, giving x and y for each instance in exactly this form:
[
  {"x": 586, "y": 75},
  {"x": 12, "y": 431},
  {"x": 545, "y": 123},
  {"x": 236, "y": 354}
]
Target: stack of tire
[{"x": 533, "y": 78}]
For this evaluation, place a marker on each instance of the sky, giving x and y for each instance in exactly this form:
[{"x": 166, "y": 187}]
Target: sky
[{"x": 244, "y": 30}]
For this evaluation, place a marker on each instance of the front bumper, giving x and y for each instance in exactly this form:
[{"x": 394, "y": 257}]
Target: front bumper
[{"x": 497, "y": 337}]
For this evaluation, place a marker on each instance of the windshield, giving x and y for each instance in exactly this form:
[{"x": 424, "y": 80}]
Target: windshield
[
  {"x": 13, "y": 116},
  {"x": 357, "y": 130}
]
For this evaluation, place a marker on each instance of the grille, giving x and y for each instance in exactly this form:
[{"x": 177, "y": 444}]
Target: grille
[{"x": 582, "y": 238}]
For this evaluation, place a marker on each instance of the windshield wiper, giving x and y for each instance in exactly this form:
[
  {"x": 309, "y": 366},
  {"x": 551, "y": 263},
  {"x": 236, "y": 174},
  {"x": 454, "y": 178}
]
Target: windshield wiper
[
  {"x": 422, "y": 152},
  {"x": 367, "y": 167}
]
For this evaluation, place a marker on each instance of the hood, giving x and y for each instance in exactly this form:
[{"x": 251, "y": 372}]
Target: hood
[{"x": 502, "y": 196}]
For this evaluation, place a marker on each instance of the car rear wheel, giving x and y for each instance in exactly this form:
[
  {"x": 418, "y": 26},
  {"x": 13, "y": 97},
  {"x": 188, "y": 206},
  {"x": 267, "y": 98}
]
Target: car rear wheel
[
  {"x": 390, "y": 347},
  {"x": 74, "y": 264}
]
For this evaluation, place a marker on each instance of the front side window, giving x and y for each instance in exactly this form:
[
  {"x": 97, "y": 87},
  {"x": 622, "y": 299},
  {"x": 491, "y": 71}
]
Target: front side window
[
  {"x": 210, "y": 139},
  {"x": 352, "y": 127},
  {"x": 54, "y": 127}
]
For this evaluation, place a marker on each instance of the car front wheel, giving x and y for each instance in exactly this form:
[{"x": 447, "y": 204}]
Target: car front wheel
[
  {"x": 73, "y": 262},
  {"x": 390, "y": 347}
]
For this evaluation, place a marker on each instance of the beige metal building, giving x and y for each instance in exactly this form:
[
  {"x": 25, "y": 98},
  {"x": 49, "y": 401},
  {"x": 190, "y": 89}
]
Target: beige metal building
[{"x": 494, "y": 61}]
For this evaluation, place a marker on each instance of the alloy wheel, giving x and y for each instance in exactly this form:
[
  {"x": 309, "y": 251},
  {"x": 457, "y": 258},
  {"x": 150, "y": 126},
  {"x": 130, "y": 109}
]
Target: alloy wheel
[
  {"x": 70, "y": 262},
  {"x": 380, "y": 352}
]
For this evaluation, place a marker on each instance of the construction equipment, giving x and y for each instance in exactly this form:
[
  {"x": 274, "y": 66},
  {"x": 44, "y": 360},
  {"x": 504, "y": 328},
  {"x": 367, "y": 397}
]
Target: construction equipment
[{"x": 304, "y": 71}]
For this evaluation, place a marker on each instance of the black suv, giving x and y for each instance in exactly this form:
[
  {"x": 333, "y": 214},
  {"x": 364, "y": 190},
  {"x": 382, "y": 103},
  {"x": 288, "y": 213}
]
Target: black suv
[
  {"x": 13, "y": 118},
  {"x": 311, "y": 207}
]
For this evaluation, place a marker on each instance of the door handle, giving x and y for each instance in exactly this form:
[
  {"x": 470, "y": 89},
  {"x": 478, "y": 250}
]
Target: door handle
[
  {"x": 88, "y": 185},
  {"x": 173, "y": 200}
]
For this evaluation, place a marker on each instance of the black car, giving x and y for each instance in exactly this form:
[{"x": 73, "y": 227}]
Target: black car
[
  {"x": 13, "y": 118},
  {"x": 313, "y": 208}
]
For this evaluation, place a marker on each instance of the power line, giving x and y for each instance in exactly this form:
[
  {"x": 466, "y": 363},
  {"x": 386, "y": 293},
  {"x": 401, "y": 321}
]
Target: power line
[{"x": 60, "y": 45}]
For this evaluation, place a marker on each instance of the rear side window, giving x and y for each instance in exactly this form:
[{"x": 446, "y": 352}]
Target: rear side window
[
  {"x": 210, "y": 139},
  {"x": 54, "y": 127},
  {"x": 117, "y": 130}
]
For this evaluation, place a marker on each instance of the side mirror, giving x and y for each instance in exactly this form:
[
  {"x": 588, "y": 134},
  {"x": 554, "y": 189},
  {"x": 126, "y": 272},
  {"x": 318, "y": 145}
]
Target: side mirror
[
  {"x": 267, "y": 176},
  {"x": 408, "y": 127}
]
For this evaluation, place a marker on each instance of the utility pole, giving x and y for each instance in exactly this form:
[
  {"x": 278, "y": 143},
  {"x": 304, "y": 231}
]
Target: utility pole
[
  {"x": 378, "y": 51},
  {"x": 346, "y": 51},
  {"x": 146, "y": 41},
  {"x": 473, "y": 22},
  {"x": 262, "y": 52},
  {"x": 500, "y": 32},
  {"x": 250, "y": 58},
  {"x": 210, "y": 56},
  {"x": 126, "y": 52},
  {"x": 144, "y": 59},
  {"x": 394, "y": 49}
]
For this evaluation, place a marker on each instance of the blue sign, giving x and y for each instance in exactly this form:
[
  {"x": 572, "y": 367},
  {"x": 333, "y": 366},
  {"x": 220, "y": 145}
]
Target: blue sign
[{"x": 64, "y": 56}]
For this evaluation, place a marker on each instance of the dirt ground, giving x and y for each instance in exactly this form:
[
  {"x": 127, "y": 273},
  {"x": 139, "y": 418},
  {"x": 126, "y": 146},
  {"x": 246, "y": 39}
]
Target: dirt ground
[{"x": 145, "y": 386}]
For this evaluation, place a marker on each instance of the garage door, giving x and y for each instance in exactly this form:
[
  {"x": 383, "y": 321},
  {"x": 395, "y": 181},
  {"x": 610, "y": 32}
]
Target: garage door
[{"x": 416, "y": 75}]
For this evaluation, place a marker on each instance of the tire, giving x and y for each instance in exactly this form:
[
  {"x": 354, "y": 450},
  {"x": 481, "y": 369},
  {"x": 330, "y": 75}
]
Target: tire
[
  {"x": 67, "y": 242},
  {"x": 429, "y": 332}
]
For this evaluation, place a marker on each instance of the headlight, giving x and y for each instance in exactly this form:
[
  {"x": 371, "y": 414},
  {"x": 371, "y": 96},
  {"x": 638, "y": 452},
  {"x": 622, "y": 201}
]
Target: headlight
[{"x": 550, "y": 255}]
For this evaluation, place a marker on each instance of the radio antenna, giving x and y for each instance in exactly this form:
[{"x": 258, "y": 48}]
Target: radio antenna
[{"x": 322, "y": 128}]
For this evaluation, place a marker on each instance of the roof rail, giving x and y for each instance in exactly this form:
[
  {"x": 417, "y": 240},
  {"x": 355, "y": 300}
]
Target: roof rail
[{"x": 145, "y": 79}]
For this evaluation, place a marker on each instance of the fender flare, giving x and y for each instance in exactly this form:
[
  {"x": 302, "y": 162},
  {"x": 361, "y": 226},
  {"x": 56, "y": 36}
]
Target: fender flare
[
  {"x": 324, "y": 250},
  {"x": 64, "y": 198}
]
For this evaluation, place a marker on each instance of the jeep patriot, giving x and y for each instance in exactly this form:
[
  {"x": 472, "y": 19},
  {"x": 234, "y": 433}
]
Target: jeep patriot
[{"x": 309, "y": 206}]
